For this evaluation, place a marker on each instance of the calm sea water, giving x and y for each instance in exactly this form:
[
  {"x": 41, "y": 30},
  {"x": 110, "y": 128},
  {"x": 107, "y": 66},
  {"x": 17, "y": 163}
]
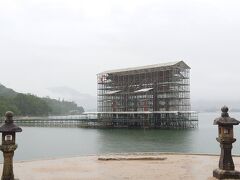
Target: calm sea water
[{"x": 43, "y": 142}]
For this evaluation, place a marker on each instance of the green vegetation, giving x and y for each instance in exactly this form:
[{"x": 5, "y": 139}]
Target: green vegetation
[
  {"x": 31, "y": 105},
  {"x": 62, "y": 107}
]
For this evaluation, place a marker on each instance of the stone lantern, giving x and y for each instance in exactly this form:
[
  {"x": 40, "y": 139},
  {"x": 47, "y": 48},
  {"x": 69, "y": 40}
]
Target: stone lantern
[
  {"x": 8, "y": 130},
  {"x": 226, "y": 168}
]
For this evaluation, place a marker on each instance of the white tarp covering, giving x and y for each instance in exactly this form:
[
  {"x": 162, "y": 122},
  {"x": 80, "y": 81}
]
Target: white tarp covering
[
  {"x": 113, "y": 92},
  {"x": 143, "y": 90}
]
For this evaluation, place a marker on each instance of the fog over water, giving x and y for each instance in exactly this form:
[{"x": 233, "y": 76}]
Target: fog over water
[{"x": 57, "y": 43}]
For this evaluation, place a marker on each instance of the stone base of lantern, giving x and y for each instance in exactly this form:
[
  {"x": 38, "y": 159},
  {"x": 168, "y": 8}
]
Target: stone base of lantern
[{"x": 226, "y": 174}]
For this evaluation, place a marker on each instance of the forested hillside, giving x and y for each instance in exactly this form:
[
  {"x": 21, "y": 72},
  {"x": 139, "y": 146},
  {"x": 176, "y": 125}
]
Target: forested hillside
[{"x": 31, "y": 105}]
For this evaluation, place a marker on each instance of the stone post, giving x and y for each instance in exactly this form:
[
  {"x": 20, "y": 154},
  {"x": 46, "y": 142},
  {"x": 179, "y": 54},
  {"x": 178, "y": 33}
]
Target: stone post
[
  {"x": 226, "y": 168},
  {"x": 8, "y": 146}
]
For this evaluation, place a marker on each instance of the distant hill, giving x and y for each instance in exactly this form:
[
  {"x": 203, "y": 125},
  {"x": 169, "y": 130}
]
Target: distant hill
[
  {"x": 89, "y": 101},
  {"x": 31, "y": 105}
]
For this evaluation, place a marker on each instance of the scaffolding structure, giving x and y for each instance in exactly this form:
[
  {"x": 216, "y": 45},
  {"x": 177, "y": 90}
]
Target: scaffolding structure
[{"x": 154, "y": 96}]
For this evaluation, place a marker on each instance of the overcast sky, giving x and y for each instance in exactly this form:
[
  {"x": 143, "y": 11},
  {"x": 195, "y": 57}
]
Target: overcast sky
[{"x": 50, "y": 43}]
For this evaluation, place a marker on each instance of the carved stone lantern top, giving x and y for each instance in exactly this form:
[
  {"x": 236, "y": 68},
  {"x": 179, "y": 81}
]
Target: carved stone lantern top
[
  {"x": 9, "y": 125},
  {"x": 225, "y": 119}
]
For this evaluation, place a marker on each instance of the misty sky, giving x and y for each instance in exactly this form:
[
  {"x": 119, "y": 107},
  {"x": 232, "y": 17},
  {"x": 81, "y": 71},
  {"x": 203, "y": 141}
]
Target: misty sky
[{"x": 51, "y": 43}]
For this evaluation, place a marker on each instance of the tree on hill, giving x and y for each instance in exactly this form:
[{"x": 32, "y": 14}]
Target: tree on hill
[
  {"x": 63, "y": 107},
  {"x": 31, "y": 105},
  {"x": 7, "y": 92},
  {"x": 7, "y": 104}
]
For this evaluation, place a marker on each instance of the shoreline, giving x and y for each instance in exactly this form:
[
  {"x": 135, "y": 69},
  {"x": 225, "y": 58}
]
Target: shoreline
[{"x": 121, "y": 154}]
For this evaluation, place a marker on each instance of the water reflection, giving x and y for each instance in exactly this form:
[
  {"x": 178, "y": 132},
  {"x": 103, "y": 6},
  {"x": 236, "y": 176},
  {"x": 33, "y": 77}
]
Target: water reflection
[{"x": 123, "y": 140}]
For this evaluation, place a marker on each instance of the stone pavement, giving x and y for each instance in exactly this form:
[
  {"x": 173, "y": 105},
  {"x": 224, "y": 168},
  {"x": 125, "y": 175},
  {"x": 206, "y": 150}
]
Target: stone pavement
[{"x": 111, "y": 167}]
